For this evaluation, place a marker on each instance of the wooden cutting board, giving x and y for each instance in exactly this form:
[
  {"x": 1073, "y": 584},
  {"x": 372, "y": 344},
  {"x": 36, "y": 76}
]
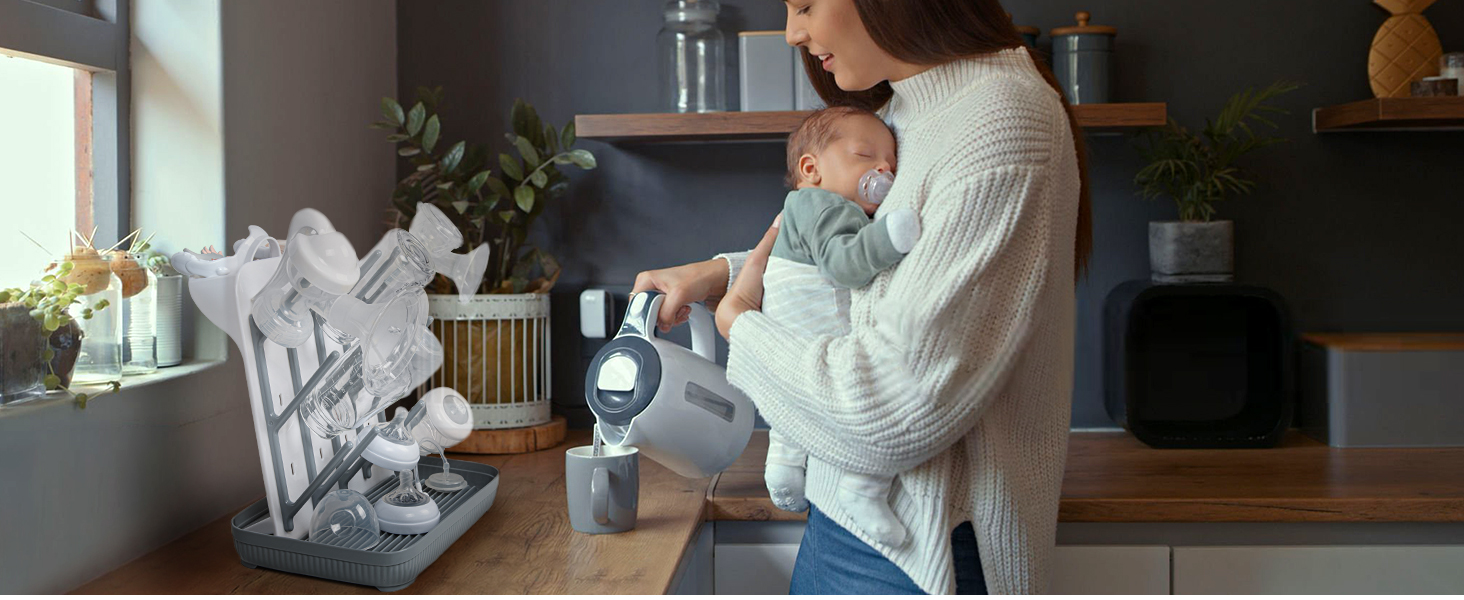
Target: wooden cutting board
[{"x": 1405, "y": 49}]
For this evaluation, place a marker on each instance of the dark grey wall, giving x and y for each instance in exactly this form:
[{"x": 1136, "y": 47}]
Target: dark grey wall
[{"x": 1358, "y": 231}]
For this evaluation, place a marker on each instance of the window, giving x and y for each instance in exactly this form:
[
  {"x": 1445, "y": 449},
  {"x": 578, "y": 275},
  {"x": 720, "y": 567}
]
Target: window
[{"x": 64, "y": 160}]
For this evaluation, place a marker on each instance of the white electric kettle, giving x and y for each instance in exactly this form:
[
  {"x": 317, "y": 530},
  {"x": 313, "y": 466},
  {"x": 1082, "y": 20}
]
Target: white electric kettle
[{"x": 672, "y": 403}]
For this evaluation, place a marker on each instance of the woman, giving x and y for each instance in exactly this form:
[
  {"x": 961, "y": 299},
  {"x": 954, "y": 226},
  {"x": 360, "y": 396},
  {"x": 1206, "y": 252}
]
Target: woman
[{"x": 957, "y": 373}]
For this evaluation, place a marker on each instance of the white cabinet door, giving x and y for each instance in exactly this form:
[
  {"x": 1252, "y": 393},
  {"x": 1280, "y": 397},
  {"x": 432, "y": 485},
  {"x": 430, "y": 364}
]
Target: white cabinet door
[
  {"x": 1319, "y": 570},
  {"x": 1110, "y": 570},
  {"x": 761, "y": 569},
  {"x": 767, "y": 569}
]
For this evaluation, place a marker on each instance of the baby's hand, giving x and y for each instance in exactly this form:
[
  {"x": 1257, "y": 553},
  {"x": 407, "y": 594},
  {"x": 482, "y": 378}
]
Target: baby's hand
[{"x": 904, "y": 229}]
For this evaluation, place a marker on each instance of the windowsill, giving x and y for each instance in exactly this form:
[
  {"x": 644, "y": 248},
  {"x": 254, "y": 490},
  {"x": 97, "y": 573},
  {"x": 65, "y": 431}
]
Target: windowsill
[{"x": 129, "y": 383}]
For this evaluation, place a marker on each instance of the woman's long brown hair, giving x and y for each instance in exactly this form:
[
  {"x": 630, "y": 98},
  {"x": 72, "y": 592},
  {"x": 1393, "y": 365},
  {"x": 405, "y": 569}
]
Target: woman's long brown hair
[{"x": 932, "y": 32}]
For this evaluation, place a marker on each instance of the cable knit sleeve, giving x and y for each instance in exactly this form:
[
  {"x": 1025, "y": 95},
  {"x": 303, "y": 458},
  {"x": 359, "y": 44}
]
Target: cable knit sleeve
[
  {"x": 947, "y": 332},
  {"x": 734, "y": 264}
]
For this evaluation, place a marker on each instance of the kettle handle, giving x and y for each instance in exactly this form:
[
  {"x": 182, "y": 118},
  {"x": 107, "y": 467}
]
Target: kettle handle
[{"x": 640, "y": 319}]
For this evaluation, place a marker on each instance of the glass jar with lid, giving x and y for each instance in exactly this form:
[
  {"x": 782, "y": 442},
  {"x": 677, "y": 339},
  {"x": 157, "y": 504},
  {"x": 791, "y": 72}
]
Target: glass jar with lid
[{"x": 691, "y": 57}]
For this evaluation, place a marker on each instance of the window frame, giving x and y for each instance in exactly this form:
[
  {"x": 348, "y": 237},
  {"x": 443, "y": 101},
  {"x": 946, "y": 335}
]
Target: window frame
[{"x": 91, "y": 36}]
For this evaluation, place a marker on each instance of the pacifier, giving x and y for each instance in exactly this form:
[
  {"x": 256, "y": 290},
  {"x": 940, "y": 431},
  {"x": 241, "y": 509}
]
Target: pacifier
[
  {"x": 441, "y": 237},
  {"x": 874, "y": 185}
]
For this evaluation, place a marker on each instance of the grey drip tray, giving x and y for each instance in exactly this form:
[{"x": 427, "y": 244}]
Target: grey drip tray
[{"x": 392, "y": 564}]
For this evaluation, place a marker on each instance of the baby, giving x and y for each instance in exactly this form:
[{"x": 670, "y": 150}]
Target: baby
[{"x": 840, "y": 161}]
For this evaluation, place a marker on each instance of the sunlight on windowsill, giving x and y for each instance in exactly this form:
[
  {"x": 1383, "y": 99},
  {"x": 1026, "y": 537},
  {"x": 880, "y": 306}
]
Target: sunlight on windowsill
[{"x": 130, "y": 383}]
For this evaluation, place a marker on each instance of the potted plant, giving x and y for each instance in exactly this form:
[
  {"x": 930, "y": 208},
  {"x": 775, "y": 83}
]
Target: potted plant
[
  {"x": 39, "y": 338},
  {"x": 496, "y": 342},
  {"x": 1197, "y": 170}
]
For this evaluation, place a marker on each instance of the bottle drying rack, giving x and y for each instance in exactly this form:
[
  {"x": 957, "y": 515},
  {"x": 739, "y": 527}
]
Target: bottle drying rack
[{"x": 300, "y": 468}]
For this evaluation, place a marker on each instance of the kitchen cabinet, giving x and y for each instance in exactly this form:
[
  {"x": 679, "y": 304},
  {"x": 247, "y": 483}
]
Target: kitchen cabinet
[
  {"x": 767, "y": 569},
  {"x": 1319, "y": 570}
]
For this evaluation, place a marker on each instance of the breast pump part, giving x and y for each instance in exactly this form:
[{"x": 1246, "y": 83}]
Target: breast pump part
[
  {"x": 432, "y": 227},
  {"x": 345, "y": 518},
  {"x": 315, "y": 269},
  {"x": 874, "y": 185},
  {"x": 390, "y": 336},
  {"x": 407, "y": 510},
  {"x": 442, "y": 417}
]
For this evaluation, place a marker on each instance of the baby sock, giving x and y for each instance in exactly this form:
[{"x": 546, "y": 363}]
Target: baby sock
[
  {"x": 866, "y": 499},
  {"x": 904, "y": 229},
  {"x": 784, "y": 474}
]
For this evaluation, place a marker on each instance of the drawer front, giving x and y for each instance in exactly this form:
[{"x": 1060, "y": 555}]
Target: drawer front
[{"x": 1319, "y": 570}]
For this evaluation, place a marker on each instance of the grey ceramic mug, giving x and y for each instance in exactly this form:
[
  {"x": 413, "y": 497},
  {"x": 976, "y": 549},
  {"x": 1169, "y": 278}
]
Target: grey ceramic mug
[{"x": 603, "y": 490}]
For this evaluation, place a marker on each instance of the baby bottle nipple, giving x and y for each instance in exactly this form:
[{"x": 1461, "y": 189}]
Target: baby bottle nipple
[
  {"x": 441, "y": 237},
  {"x": 407, "y": 510},
  {"x": 315, "y": 269},
  {"x": 393, "y": 448},
  {"x": 874, "y": 185}
]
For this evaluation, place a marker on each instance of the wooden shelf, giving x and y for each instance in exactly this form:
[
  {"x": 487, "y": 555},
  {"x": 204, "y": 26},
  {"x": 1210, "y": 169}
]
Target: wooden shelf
[
  {"x": 775, "y": 125},
  {"x": 1392, "y": 114}
]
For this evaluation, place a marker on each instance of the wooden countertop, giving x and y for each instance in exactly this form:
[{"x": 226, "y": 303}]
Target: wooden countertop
[
  {"x": 1113, "y": 477},
  {"x": 524, "y": 543}
]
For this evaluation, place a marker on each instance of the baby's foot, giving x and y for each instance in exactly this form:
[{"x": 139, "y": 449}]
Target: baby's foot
[
  {"x": 904, "y": 229},
  {"x": 785, "y": 487},
  {"x": 873, "y": 516}
]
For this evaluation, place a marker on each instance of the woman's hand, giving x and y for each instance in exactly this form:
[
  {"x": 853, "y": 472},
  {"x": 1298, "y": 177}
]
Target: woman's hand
[
  {"x": 694, "y": 282},
  {"x": 746, "y": 293}
]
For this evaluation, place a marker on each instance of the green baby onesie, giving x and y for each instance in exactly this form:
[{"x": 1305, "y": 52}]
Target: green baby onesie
[{"x": 826, "y": 230}]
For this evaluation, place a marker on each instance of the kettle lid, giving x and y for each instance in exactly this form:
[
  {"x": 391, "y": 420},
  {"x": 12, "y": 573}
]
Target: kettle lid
[{"x": 622, "y": 379}]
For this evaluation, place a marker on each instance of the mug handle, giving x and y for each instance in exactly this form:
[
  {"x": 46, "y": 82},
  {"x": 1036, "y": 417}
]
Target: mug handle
[{"x": 600, "y": 495}]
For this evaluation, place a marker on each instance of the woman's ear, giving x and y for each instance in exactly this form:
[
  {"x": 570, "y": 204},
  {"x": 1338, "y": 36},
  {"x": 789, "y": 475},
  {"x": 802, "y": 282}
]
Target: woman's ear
[{"x": 808, "y": 170}]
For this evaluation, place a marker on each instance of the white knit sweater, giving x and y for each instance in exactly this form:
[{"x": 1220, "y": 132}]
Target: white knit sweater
[{"x": 957, "y": 374}]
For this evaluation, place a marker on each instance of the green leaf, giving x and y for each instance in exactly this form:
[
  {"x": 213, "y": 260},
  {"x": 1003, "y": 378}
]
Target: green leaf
[
  {"x": 52, "y": 323},
  {"x": 49, "y": 354},
  {"x": 426, "y": 167},
  {"x": 524, "y": 197},
  {"x": 408, "y": 151},
  {"x": 446, "y": 185},
  {"x": 392, "y": 111},
  {"x": 539, "y": 178},
  {"x": 52, "y": 381},
  {"x": 562, "y": 159},
  {"x": 48, "y": 278},
  {"x": 461, "y": 206},
  {"x": 506, "y": 216},
  {"x": 477, "y": 182},
  {"x": 398, "y": 137},
  {"x": 510, "y": 167},
  {"x": 582, "y": 158},
  {"x": 551, "y": 138},
  {"x": 414, "y": 119},
  {"x": 496, "y": 186},
  {"x": 453, "y": 157},
  {"x": 518, "y": 116},
  {"x": 526, "y": 149},
  {"x": 430, "y": 133},
  {"x": 566, "y": 136},
  {"x": 81, "y": 400}
]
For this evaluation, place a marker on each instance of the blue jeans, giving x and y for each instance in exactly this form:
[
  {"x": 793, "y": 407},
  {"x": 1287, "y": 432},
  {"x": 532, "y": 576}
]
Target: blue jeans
[{"x": 833, "y": 561}]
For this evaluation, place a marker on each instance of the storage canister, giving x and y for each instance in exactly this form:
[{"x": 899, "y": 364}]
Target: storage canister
[
  {"x": 1082, "y": 60},
  {"x": 764, "y": 73}
]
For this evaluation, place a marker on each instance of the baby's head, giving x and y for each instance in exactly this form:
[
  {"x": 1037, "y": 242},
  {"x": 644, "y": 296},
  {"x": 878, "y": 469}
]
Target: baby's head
[{"x": 834, "y": 147}]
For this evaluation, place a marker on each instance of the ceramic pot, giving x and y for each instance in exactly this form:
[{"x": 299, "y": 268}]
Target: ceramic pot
[{"x": 1192, "y": 252}]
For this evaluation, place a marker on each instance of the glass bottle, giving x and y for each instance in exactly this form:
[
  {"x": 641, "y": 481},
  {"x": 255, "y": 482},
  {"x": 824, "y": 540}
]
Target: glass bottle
[
  {"x": 100, "y": 357},
  {"x": 691, "y": 47},
  {"x": 139, "y": 312}
]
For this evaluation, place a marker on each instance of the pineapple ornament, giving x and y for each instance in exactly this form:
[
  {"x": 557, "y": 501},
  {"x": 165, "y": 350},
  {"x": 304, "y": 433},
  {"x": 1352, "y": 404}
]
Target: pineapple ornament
[{"x": 1405, "y": 49}]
